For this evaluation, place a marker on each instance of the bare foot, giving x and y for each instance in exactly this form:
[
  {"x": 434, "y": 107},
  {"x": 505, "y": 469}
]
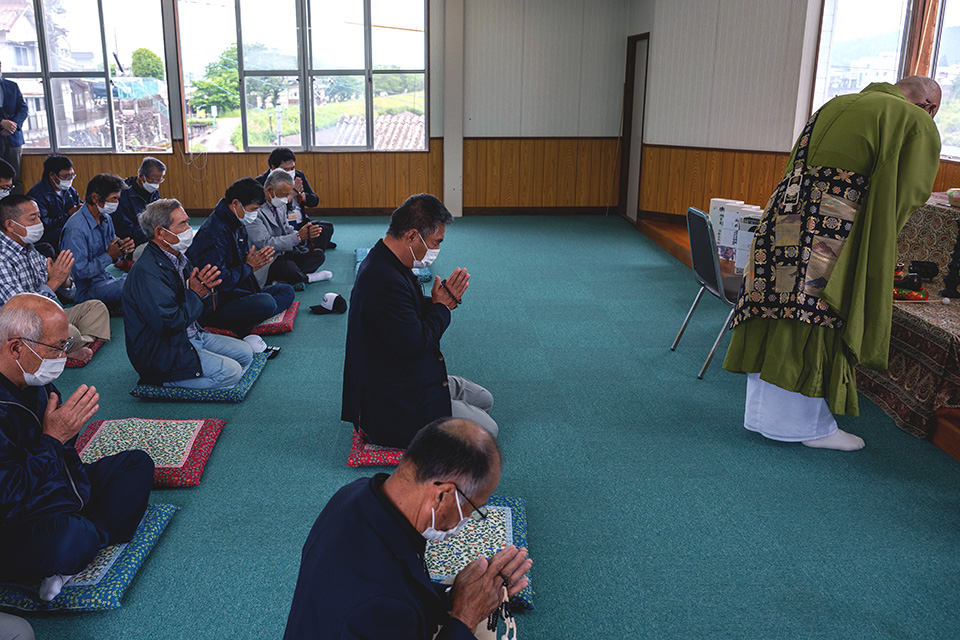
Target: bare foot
[{"x": 83, "y": 354}]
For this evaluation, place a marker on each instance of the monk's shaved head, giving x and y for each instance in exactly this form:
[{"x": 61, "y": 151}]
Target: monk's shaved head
[{"x": 922, "y": 91}]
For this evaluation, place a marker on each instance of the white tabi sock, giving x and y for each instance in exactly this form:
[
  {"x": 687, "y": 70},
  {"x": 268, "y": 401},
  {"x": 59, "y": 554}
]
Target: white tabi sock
[
  {"x": 319, "y": 276},
  {"x": 839, "y": 441},
  {"x": 50, "y": 587}
]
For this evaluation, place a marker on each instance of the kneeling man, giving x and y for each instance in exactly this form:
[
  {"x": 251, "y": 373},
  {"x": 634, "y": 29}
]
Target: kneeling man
[
  {"x": 162, "y": 299},
  {"x": 56, "y": 512},
  {"x": 394, "y": 376}
]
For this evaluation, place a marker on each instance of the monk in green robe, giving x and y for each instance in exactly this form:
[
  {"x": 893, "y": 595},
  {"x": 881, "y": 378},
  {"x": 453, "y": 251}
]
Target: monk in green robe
[{"x": 817, "y": 296}]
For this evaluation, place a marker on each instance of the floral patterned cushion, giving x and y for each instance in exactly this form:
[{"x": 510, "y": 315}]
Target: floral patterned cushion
[
  {"x": 506, "y": 524},
  {"x": 367, "y": 454},
  {"x": 236, "y": 393},
  {"x": 101, "y": 585},
  {"x": 423, "y": 275},
  {"x": 76, "y": 364},
  {"x": 280, "y": 323},
  {"x": 179, "y": 448}
]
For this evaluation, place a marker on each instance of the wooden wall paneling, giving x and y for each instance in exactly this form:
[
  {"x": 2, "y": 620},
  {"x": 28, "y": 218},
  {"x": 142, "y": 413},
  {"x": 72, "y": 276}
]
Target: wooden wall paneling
[
  {"x": 675, "y": 182},
  {"x": 609, "y": 173},
  {"x": 345, "y": 179},
  {"x": 420, "y": 172},
  {"x": 712, "y": 178},
  {"x": 584, "y": 169},
  {"x": 691, "y": 194},
  {"x": 551, "y": 172},
  {"x": 330, "y": 169},
  {"x": 494, "y": 172},
  {"x": 361, "y": 179},
  {"x": 510, "y": 177},
  {"x": 596, "y": 169},
  {"x": 649, "y": 176},
  {"x": 482, "y": 171},
  {"x": 661, "y": 190},
  {"x": 528, "y": 165},
  {"x": 435, "y": 160},
  {"x": 378, "y": 178},
  {"x": 948, "y": 176},
  {"x": 567, "y": 173},
  {"x": 470, "y": 173},
  {"x": 539, "y": 151}
]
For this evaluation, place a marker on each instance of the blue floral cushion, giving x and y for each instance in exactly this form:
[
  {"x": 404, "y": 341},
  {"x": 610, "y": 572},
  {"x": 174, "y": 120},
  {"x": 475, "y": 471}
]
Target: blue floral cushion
[
  {"x": 423, "y": 275},
  {"x": 236, "y": 393},
  {"x": 101, "y": 585},
  {"x": 506, "y": 524}
]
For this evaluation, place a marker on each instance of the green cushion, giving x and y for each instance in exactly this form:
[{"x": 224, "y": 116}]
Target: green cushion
[{"x": 236, "y": 393}]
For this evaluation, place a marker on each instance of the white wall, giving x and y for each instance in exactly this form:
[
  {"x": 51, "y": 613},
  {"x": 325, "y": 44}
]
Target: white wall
[
  {"x": 543, "y": 67},
  {"x": 436, "y": 44},
  {"x": 729, "y": 73}
]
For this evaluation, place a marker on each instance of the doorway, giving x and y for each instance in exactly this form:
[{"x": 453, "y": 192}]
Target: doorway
[{"x": 634, "y": 94}]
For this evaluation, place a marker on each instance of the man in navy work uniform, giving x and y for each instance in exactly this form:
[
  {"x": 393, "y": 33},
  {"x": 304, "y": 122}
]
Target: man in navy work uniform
[
  {"x": 55, "y": 511},
  {"x": 394, "y": 376},
  {"x": 144, "y": 188},
  {"x": 363, "y": 575},
  {"x": 223, "y": 242},
  {"x": 13, "y": 113},
  {"x": 56, "y": 197}
]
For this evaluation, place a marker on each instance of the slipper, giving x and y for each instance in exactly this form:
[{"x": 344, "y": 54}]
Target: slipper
[{"x": 272, "y": 352}]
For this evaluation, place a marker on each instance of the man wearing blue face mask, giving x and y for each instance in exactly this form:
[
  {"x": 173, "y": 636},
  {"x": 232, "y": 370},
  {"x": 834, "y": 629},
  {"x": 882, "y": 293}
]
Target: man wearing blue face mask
[
  {"x": 394, "y": 376},
  {"x": 362, "y": 572},
  {"x": 163, "y": 298},
  {"x": 90, "y": 236},
  {"x": 56, "y": 512}
]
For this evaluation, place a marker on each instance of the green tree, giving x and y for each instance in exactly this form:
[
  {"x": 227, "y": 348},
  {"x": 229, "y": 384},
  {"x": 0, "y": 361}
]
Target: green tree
[
  {"x": 220, "y": 86},
  {"x": 343, "y": 88},
  {"x": 146, "y": 64}
]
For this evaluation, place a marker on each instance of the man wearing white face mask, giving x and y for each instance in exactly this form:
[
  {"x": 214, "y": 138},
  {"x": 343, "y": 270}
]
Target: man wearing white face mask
[
  {"x": 298, "y": 255},
  {"x": 24, "y": 270},
  {"x": 144, "y": 188},
  {"x": 90, "y": 235},
  {"x": 56, "y": 197},
  {"x": 394, "y": 375},
  {"x": 362, "y": 572},
  {"x": 56, "y": 512},
  {"x": 7, "y": 174},
  {"x": 163, "y": 298},
  {"x": 303, "y": 195}
]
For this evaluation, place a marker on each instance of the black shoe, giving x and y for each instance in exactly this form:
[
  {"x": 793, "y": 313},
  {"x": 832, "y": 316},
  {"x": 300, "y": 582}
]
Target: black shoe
[
  {"x": 272, "y": 352},
  {"x": 331, "y": 245}
]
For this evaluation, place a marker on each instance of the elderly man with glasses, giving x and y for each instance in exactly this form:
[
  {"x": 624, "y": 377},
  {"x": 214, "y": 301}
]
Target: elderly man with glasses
[
  {"x": 56, "y": 512},
  {"x": 363, "y": 575}
]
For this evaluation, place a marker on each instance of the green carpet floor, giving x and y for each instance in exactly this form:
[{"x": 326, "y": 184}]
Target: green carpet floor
[{"x": 652, "y": 512}]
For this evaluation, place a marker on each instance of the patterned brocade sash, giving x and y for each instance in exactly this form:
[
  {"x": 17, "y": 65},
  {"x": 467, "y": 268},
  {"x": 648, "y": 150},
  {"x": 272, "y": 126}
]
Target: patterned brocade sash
[{"x": 801, "y": 234}]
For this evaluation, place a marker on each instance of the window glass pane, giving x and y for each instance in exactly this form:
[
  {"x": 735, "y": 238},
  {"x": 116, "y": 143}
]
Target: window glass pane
[
  {"x": 398, "y": 107},
  {"x": 208, "y": 53},
  {"x": 135, "y": 50},
  {"x": 398, "y": 34},
  {"x": 73, "y": 35},
  {"x": 860, "y": 43},
  {"x": 19, "y": 49},
  {"x": 273, "y": 111},
  {"x": 339, "y": 111},
  {"x": 336, "y": 28},
  {"x": 80, "y": 112},
  {"x": 36, "y": 133},
  {"x": 948, "y": 75},
  {"x": 269, "y": 36}
]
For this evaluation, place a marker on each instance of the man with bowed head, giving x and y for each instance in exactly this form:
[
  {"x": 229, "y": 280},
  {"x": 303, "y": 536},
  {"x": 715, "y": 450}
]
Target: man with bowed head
[
  {"x": 363, "y": 574},
  {"x": 56, "y": 512}
]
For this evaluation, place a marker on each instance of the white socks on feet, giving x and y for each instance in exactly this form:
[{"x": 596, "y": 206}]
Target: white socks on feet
[
  {"x": 50, "y": 587},
  {"x": 319, "y": 276},
  {"x": 256, "y": 343},
  {"x": 839, "y": 441}
]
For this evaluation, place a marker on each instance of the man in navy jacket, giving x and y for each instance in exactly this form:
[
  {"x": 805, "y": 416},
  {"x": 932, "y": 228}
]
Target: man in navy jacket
[
  {"x": 144, "y": 188},
  {"x": 13, "y": 113},
  {"x": 394, "y": 376},
  {"x": 222, "y": 242},
  {"x": 162, "y": 300},
  {"x": 56, "y": 197},
  {"x": 362, "y": 573},
  {"x": 55, "y": 511}
]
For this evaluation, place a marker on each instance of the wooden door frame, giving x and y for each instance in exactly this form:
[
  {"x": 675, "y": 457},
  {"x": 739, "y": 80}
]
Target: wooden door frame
[{"x": 628, "y": 90}]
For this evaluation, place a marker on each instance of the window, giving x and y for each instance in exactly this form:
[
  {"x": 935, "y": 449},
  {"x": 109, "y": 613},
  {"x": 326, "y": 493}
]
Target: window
[
  {"x": 355, "y": 78},
  {"x": 861, "y": 41},
  {"x": 104, "y": 80},
  {"x": 947, "y": 73}
]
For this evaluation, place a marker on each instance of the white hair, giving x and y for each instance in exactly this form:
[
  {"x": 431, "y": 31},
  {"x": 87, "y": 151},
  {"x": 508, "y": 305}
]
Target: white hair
[
  {"x": 19, "y": 322},
  {"x": 277, "y": 177}
]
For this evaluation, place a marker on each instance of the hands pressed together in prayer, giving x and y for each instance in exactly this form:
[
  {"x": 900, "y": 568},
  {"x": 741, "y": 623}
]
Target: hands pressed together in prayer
[
  {"x": 477, "y": 589},
  {"x": 64, "y": 421},
  {"x": 204, "y": 281},
  {"x": 58, "y": 272},
  {"x": 257, "y": 259},
  {"x": 449, "y": 292},
  {"x": 308, "y": 232},
  {"x": 120, "y": 247}
]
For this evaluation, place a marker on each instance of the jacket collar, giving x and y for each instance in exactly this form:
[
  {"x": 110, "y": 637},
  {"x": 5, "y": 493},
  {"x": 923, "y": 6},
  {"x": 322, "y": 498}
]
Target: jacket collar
[
  {"x": 222, "y": 211},
  {"x": 87, "y": 217},
  {"x": 391, "y": 257}
]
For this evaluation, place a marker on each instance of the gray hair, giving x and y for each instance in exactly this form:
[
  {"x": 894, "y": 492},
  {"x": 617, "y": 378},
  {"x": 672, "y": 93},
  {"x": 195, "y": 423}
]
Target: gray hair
[
  {"x": 19, "y": 322},
  {"x": 158, "y": 213},
  {"x": 151, "y": 164},
  {"x": 277, "y": 177},
  {"x": 453, "y": 450}
]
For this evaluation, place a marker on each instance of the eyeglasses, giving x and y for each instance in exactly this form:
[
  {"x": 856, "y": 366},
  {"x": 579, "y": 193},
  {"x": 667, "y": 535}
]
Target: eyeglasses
[
  {"x": 478, "y": 513},
  {"x": 61, "y": 350}
]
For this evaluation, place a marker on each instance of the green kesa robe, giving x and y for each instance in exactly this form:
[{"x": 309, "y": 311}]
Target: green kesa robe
[{"x": 818, "y": 290}]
